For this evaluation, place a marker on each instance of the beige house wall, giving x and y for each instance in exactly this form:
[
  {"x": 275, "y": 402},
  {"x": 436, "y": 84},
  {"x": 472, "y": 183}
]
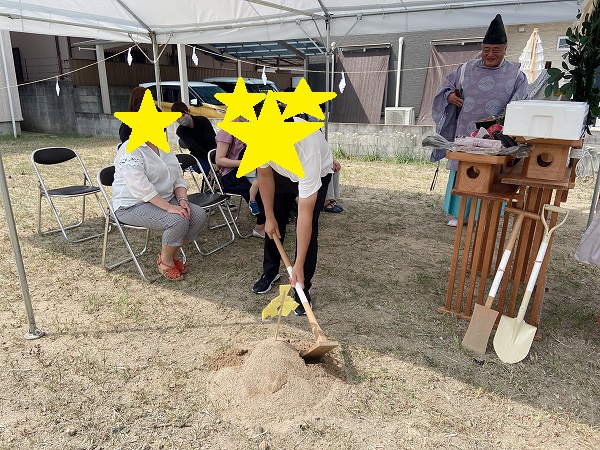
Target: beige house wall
[
  {"x": 5, "y": 114},
  {"x": 518, "y": 35}
]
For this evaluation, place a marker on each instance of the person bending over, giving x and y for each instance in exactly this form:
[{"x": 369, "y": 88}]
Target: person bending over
[{"x": 279, "y": 189}]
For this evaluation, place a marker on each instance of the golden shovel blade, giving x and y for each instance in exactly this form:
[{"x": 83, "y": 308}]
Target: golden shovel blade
[
  {"x": 478, "y": 334},
  {"x": 318, "y": 350},
  {"x": 513, "y": 339}
]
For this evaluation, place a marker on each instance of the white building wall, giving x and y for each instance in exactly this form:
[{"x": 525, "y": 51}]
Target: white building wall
[{"x": 5, "y": 112}]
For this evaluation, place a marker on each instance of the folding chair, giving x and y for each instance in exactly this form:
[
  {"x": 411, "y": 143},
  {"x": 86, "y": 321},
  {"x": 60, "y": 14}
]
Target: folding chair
[
  {"x": 105, "y": 179},
  {"x": 206, "y": 198},
  {"x": 70, "y": 165},
  {"x": 217, "y": 187},
  {"x": 181, "y": 145}
]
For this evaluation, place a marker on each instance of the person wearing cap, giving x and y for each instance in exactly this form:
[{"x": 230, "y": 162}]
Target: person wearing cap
[{"x": 475, "y": 90}]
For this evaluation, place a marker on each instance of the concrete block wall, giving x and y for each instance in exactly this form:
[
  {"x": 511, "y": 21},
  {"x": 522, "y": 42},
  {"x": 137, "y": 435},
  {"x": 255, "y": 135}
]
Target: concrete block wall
[
  {"x": 44, "y": 111},
  {"x": 97, "y": 124},
  {"x": 75, "y": 110},
  {"x": 89, "y": 100},
  {"x": 379, "y": 141}
]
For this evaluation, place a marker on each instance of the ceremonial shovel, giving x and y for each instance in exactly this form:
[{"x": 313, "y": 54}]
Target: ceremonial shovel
[
  {"x": 323, "y": 345},
  {"x": 514, "y": 337},
  {"x": 484, "y": 317}
]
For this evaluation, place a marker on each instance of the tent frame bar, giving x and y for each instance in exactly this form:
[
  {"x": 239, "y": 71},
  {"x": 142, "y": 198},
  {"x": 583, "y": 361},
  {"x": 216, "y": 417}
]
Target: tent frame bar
[{"x": 120, "y": 28}]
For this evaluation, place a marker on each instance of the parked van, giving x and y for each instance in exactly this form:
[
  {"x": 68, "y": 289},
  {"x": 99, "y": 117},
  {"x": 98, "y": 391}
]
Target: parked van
[
  {"x": 253, "y": 85},
  {"x": 202, "y": 97}
]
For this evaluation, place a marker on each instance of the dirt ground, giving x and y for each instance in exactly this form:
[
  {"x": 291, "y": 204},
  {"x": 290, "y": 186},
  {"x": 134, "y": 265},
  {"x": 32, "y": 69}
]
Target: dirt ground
[{"x": 127, "y": 364}]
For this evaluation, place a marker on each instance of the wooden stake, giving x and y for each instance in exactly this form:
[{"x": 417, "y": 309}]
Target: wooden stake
[{"x": 279, "y": 316}]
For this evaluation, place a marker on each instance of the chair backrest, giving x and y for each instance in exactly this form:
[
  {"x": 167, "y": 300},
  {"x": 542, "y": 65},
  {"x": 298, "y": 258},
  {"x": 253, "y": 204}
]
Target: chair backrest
[
  {"x": 106, "y": 176},
  {"x": 212, "y": 157},
  {"x": 105, "y": 179},
  {"x": 186, "y": 160},
  {"x": 50, "y": 177},
  {"x": 52, "y": 155},
  {"x": 181, "y": 144}
]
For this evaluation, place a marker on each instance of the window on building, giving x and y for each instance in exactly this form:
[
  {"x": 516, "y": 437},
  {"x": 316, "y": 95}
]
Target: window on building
[{"x": 561, "y": 44}]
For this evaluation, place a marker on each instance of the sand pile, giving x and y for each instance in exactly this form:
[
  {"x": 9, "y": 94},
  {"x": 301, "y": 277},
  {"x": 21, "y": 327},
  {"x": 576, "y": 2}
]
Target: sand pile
[{"x": 273, "y": 383}]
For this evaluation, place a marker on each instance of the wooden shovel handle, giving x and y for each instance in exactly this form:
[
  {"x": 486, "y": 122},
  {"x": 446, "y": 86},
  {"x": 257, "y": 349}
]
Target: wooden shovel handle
[
  {"x": 519, "y": 216},
  {"x": 316, "y": 329}
]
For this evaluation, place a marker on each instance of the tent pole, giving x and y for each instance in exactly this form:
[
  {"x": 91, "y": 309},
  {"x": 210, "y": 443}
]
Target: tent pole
[
  {"x": 156, "y": 57},
  {"x": 103, "y": 79},
  {"x": 34, "y": 332},
  {"x": 183, "y": 75},
  {"x": 327, "y": 87},
  {"x": 8, "y": 88}
]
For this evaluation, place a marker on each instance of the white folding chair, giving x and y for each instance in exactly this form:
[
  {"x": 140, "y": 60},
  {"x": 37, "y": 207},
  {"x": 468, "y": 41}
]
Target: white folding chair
[{"x": 66, "y": 165}]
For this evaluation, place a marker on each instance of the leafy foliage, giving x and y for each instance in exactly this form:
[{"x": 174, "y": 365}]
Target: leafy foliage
[{"x": 579, "y": 66}]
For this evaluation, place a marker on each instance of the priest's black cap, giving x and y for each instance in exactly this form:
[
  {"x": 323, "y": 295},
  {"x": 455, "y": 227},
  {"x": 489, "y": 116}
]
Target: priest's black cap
[{"x": 495, "y": 33}]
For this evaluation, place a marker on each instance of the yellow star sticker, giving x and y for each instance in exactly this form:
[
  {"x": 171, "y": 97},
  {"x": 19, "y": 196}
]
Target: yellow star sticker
[
  {"x": 147, "y": 125},
  {"x": 304, "y": 100},
  {"x": 240, "y": 102},
  {"x": 270, "y": 139},
  {"x": 282, "y": 304}
]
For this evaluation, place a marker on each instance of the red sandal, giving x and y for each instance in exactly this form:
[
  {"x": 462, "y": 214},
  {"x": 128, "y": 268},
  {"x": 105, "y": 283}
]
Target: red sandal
[
  {"x": 172, "y": 273},
  {"x": 180, "y": 266}
]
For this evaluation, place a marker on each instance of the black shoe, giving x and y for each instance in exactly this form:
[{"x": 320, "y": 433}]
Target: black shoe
[
  {"x": 300, "y": 311},
  {"x": 264, "y": 284}
]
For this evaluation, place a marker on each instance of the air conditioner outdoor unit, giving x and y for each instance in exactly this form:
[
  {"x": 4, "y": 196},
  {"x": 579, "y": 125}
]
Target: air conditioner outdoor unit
[{"x": 400, "y": 116}]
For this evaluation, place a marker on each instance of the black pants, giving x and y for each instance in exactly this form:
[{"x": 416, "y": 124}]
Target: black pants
[
  {"x": 241, "y": 186},
  {"x": 286, "y": 192}
]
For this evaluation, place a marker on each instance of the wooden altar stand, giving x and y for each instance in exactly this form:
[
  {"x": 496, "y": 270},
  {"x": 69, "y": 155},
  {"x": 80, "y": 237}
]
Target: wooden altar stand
[{"x": 542, "y": 178}]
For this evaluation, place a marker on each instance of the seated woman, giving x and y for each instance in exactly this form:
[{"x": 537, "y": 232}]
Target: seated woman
[
  {"x": 228, "y": 156},
  {"x": 149, "y": 191}
]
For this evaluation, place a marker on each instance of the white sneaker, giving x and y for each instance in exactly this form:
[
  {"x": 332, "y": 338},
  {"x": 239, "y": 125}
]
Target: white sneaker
[
  {"x": 257, "y": 234},
  {"x": 452, "y": 222}
]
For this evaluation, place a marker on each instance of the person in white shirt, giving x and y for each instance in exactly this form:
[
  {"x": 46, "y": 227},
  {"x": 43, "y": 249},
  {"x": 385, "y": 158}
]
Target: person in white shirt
[
  {"x": 149, "y": 190},
  {"x": 279, "y": 189}
]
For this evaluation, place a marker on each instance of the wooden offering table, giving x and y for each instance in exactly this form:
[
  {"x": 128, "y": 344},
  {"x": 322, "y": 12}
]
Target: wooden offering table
[{"x": 478, "y": 244}]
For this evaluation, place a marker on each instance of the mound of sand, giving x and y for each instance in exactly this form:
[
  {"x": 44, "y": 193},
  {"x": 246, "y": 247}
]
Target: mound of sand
[{"x": 273, "y": 383}]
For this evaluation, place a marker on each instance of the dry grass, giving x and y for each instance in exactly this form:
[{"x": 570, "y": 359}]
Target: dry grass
[{"x": 127, "y": 364}]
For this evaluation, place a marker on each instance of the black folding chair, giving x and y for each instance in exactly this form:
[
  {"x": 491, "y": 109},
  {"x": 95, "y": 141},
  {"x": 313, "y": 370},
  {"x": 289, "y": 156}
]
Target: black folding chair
[
  {"x": 66, "y": 164},
  {"x": 206, "y": 198}
]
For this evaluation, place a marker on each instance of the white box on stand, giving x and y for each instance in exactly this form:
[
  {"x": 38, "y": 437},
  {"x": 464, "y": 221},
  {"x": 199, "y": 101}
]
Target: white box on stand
[{"x": 545, "y": 119}]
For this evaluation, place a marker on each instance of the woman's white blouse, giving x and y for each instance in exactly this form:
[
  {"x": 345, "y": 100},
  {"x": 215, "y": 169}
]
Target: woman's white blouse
[{"x": 142, "y": 174}]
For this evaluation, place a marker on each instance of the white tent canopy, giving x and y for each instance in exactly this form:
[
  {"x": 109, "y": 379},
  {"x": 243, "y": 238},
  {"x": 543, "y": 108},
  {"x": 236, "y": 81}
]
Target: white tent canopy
[{"x": 206, "y": 21}]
